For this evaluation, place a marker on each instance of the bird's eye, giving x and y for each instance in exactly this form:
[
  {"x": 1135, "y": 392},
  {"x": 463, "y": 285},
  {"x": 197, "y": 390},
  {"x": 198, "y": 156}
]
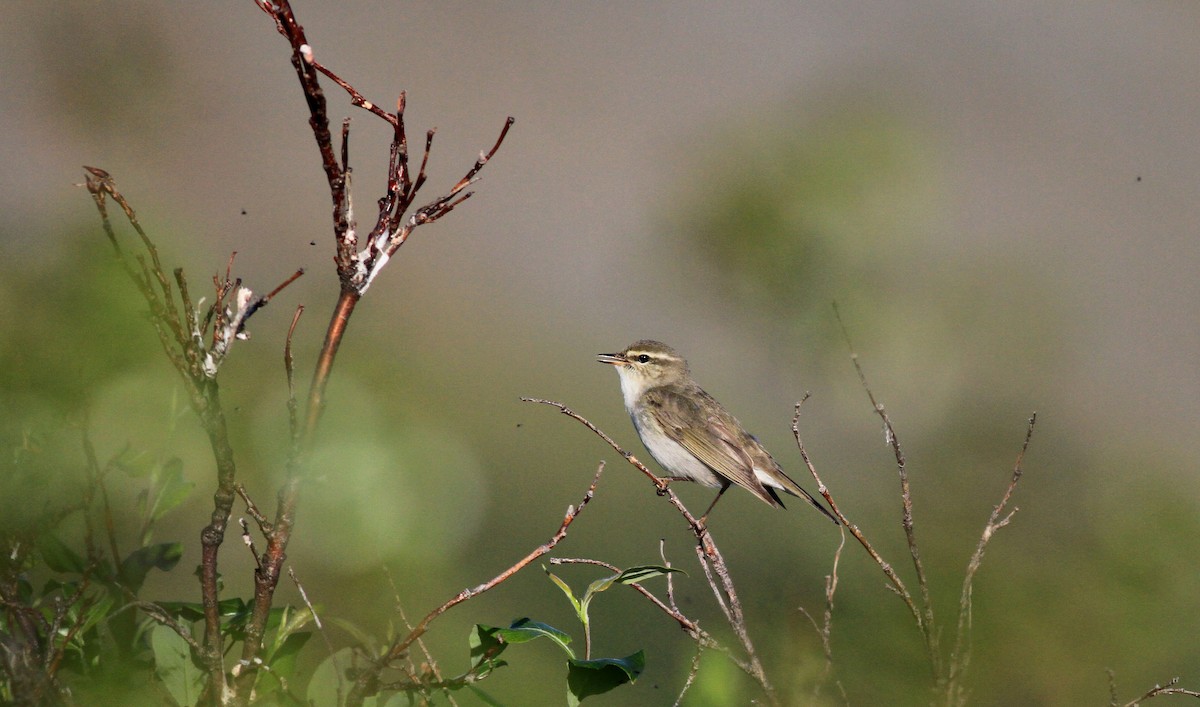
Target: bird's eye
[{"x": 643, "y": 359}]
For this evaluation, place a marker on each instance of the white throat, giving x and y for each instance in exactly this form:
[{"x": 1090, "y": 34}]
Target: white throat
[{"x": 632, "y": 387}]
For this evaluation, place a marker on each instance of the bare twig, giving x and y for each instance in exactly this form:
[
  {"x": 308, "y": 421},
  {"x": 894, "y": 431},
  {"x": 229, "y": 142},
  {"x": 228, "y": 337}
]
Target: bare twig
[
  {"x": 431, "y": 665},
  {"x": 960, "y": 657},
  {"x": 897, "y": 584},
  {"x": 825, "y": 628},
  {"x": 693, "y": 671},
  {"x": 247, "y": 540},
  {"x": 947, "y": 677},
  {"x": 1156, "y": 691},
  {"x": 357, "y": 269},
  {"x": 96, "y": 475},
  {"x": 263, "y": 301},
  {"x": 162, "y": 616},
  {"x": 264, "y": 524},
  {"x": 660, "y": 484},
  {"x": 347, "y": 300},
  {"x": 888, "y": 570},
  {"x": 726, "y": 595},
  {"x": 320, "y": 628},
  {"x": 289, "y": 367},
  {"x": 186, "y": 353},
  {"x": 400, "y": 646},
  {"x": 662, "y": 553},
  {"x": 68, "y": 622},
  {"x": 182, "y": 335},
  {"x": 926, "y": 621}
]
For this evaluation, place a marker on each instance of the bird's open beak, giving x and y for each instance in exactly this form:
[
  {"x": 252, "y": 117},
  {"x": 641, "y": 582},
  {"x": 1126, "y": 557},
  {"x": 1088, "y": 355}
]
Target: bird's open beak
[{"x": 614, "y": 359}]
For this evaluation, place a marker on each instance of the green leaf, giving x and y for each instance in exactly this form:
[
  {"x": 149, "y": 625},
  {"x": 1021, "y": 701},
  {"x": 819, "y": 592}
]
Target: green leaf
[
  {"x": 135, "y": 464},
  {"x": 58, "y": 556},
  {"x": 97, "y": 612},
  {"x": 198, "y": 572},
  {"x": 284, "y": 655},
  {"x": 172, "y": 467},
  {"x": 277, "y": 616},
  {"x": 483, "y": 697},
  {"x": 566, "y": 590},
  {"x": 597, "y": 676},
  {"x": 633, "y": 575},
  {"x": 484, "y": 644},
  {"x": 138, "y": 564},
  {"x": 25, "y": 590},
  {"x": 282, "y": 661},
  {"x": 596, "y": 587},
  {"x": 194, "y": 611},
  {"x": 142, "y": 501},
  {"x": 327, "y": 685},
  {"x": 293, "y": 621},
  {"x": 288, "y": 640},
  {"x": 174, "y": 667},
  {"x": 362, "y": 637},
  {"x": 523, "y": 630},
  {"x": 56, "y": 585},
  {"x": 235, "y": 620},
  {"x": 173, "y": 489},
  {"x": 487, "y": 642}
]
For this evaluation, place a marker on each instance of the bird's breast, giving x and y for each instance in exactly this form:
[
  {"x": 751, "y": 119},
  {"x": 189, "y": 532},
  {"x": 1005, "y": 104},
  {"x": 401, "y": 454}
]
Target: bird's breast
[{"x": 671, "y": 455}]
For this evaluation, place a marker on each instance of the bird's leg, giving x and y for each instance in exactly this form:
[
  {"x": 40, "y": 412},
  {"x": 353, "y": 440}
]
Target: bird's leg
[
  {"x": 704, "y": 518},
  {"x": 665, "y": 481}
]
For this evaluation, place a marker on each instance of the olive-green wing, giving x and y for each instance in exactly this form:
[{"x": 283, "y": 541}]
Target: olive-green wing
[
  {"x": 712, "y": 437},
  {"x": 717, "y": 440}
]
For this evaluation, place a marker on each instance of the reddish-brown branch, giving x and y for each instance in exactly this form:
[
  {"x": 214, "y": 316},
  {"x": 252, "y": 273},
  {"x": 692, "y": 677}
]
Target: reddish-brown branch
[
  {"x": 266, "y": 578},
  {"x": 306, "y": 71},
  {"x": 211, "y": 537},
  {"x": 421, "y": 172},
  {"x": 289, "y": 368},
  {"x": 399, "y": 648},
  {"x": 483, "y": 159},
  {"x": 356, "y": 269},
  {"x": 347, "y": 300}
]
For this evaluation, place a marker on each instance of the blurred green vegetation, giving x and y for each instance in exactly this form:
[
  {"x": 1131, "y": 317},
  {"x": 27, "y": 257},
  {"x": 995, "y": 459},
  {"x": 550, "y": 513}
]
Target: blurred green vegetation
[
  {"x": 430, "y": 477},
  {"x": 836, "y": 203}
]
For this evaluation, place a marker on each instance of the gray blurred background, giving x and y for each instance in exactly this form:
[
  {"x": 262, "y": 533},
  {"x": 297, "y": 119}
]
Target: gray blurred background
[{"x": 1000, "y": 197}]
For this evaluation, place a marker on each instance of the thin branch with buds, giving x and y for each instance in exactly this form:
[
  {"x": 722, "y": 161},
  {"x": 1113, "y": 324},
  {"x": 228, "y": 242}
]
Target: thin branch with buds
[
  {"x": 357, "y": 266},
  {"x": 960, "y": 658},
  {"x": 825, "y": 628},
  {"x": 890, "y": 572},
  {"x": 1157, "y": 691},
  {"x": 925, "y": 620},
  {"x": 947, "y": 678},
  {"x": 183, "y": 337}
]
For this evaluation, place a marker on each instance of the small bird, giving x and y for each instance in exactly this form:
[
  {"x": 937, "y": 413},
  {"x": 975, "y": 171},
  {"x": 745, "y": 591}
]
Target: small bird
[{"x": 689, "y": 433}]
